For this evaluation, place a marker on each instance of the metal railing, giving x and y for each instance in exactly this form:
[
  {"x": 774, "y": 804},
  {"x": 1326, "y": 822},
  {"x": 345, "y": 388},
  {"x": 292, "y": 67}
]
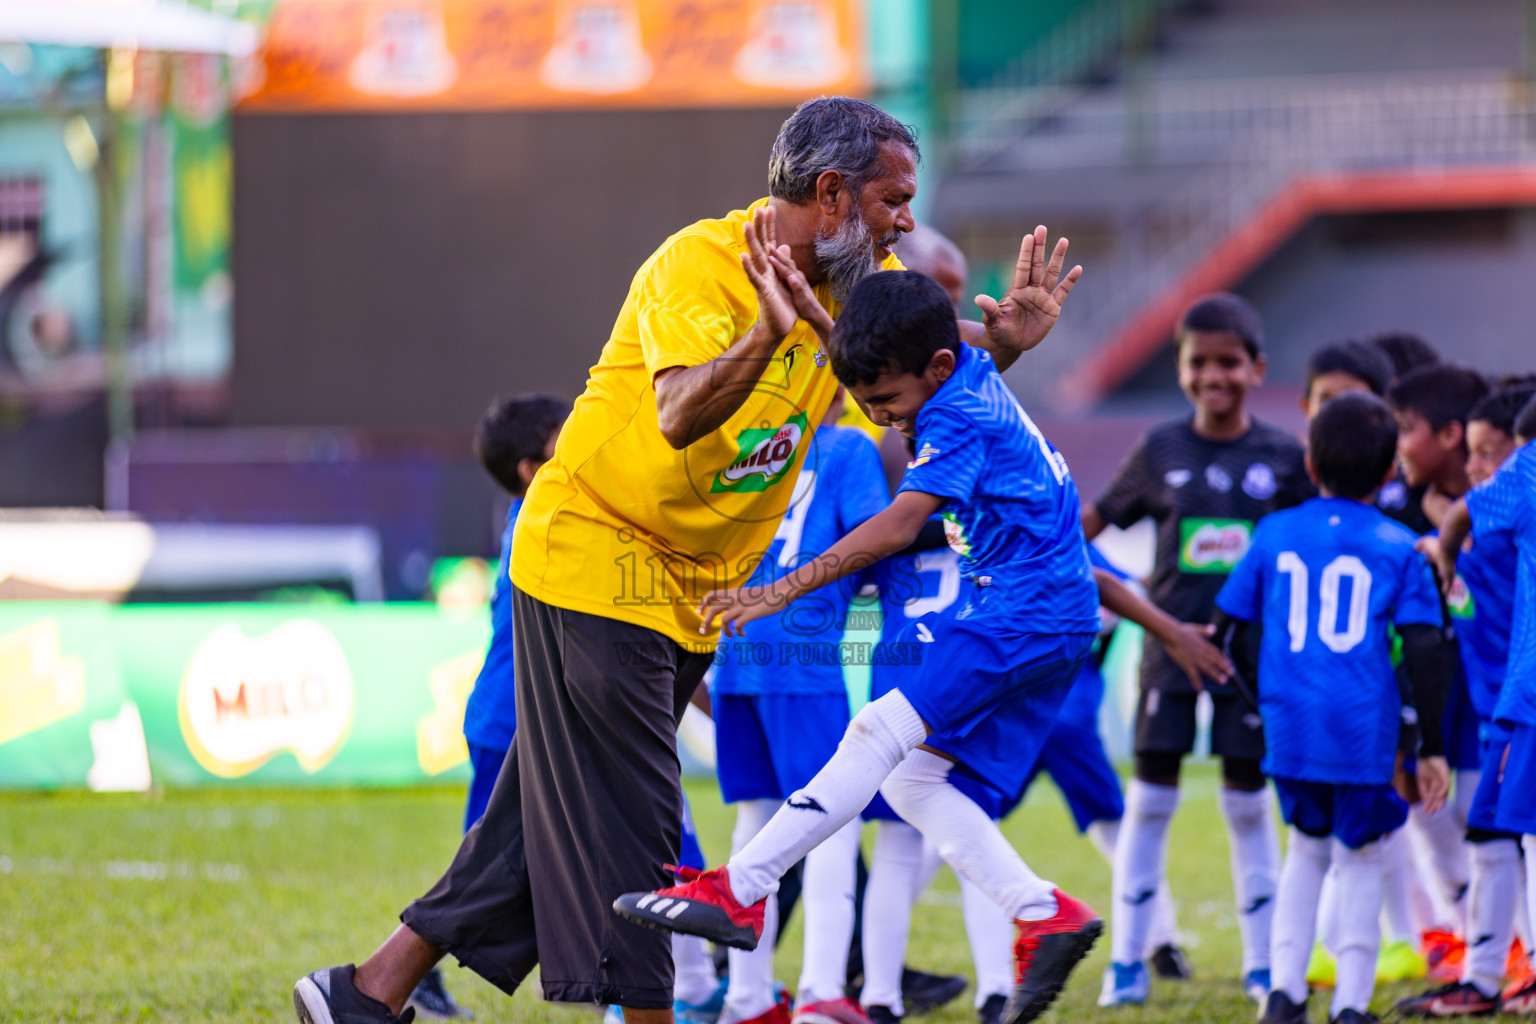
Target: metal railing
[{"x": 1235, "y": 146}]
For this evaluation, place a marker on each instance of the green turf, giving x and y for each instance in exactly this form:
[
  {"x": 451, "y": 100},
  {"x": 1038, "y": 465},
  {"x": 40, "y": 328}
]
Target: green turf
[{"x": 206, "y": 905}]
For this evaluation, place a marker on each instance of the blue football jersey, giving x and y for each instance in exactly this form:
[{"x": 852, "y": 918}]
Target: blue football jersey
[
  {"x": 1328, "y": 579},
  {"x": 1011, "y": 509},
  {"x": 1507, "y": 503},
  {"x": 1482, "y": 606},
  {"x": 490, "y": 717},
  {"x": 798, "y": 650}
]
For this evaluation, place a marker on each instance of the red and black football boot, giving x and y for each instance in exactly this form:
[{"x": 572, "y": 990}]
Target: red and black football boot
[
  {"x": 1045, "y": 953},
  {"x": 702, "y": 905},
  {"x": 1458, "y": 999}
]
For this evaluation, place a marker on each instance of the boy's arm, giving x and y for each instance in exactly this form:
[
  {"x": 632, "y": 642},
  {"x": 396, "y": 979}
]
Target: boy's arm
[
  {"x": 1187, "y": 643},
  {"x": 1428, "y": 670},
  {"x": 880, "y": 536},
  {"x": 1443, "y": 550}
]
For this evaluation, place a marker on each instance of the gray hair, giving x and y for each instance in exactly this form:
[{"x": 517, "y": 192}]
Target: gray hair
[{"x": 832, "y": 133}]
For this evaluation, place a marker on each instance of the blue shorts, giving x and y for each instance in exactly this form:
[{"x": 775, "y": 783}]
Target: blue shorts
[
  {"x": 1463, "y": 747},
  {"x": 484, "y": 766},
  {"x": 766, "y": 747},
  {"x": 1075, "y": 760},
  {"x": 990, "y": 695},
  {"x": 1517, "y": 783},
  {"x": 1355, "y": 815},
  {"x": 691, "y": 855},
  {"x": 1483, "y": 814}
]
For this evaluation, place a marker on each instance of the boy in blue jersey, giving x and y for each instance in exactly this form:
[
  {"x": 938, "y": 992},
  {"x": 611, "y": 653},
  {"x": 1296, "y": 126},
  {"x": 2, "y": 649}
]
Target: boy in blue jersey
[
  {"x": 780, "y": 706},
  {"x": 1481, "y": 604},
  {"x": 987, "y": 675},
  {"x": 1328, "y": 580},
  {"x": 1506, "y": 503}
]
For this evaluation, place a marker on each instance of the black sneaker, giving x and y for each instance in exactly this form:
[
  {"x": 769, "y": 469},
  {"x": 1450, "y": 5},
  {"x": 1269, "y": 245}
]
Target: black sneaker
[
  {"x": 991, "y": 1011},
  {"x": 432, "y": 999},
  {"x": 328, "y": 997},
  {"x": 1279, "y": 1008},
  {"x": 1169, "y": 963},
  {"x": 880, "y": 1015},
  {"x": 1355, "y": 1017},
  {"x": 922, "y": 992}
]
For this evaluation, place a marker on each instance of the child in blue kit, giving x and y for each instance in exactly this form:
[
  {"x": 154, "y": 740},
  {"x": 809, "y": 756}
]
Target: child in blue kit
[
  {"x": 1506, "y": 504},
  {"x": 780, "y": 706},
  {"x": 1328, "y": 580},
  {"x": 989, "y": 673}
]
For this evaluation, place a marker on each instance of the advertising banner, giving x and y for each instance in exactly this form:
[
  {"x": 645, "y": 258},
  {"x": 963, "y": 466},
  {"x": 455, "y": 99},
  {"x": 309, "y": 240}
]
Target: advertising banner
[
  {"x": 108, "y": 697},
  {"x": 489, "y": 54}
]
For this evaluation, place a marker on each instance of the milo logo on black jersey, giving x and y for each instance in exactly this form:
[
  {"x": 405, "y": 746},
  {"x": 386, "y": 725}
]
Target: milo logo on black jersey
[
  {"x": 764, "y": 456},
  {"x": 1213, "y": 545}
]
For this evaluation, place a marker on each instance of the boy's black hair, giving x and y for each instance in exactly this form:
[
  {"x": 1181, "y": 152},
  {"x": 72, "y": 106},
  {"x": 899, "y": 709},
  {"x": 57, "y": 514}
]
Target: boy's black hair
[
  {"x": 1525, "y": 422},
  {"x": 1224, "y": 312},
  {"x": 1500, "y": 409},
  {"x": 1440, "y": 393},
  {"x": 1407, "y": 351},
  {"x": 1353, "y": 442},
  {"x": 893, "y": 322},
  {"x": 515, "y": 429},
  {"x": 1365, "y": 363}
]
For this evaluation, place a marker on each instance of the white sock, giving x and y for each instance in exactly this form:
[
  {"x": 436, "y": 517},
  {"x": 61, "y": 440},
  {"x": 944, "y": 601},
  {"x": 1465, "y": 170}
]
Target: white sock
[
  {"x": 1138, "y": 867},
  {"x": 1491, "y": 912},
  {"x": 893, "y": 869},
  {"x": 1522, "y": 910},
  {"x": 1467, "y": 781},
  {"x": 1105, "y": 835},
  {"x": 1397, "y": 890},
  {"x": 1440, "y": 839},
  {"x": 1328, "y": 912},
  {"x": 828, "y": 898},
  {"x": 1528, "y": 844},
  {"x": 990, "y": 932},
  {"x": 970, "y": 842},
  {"x": 693, "y": 972},
  {"x": 1255, "y": 846},
  {"x": 1359, "y": 927},
  {"x": 875, "y": 742},
  {"x": 751, "y": 988},
  {"x": 1295, "y": 924}
]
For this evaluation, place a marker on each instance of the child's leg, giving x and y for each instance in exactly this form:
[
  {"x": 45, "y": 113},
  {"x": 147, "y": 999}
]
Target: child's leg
[
  {"x": 893, "y": 870},
  {"x": 991, "y": 936},
  {"x": 1397, "y": 891},
  {"x": 1105, "y": 837},
  {"x": 1359, "y": 928},
  {"x": 1138, "y": 867},
  {"x": 1295, "y": 925},
  {"x": 1255, "y": 846},
  {"x": 751, "y": 989},
  {"x": 1440, "y": 839},
  {"x": 829, "y": 884},
  {"x": 1528, "y": 843},
  {"x": 1490, "y": 912},
  {"x": 877, "y": 739},
  {"x": 970, "y": 842},
  {"x": 693, "y": 970}
]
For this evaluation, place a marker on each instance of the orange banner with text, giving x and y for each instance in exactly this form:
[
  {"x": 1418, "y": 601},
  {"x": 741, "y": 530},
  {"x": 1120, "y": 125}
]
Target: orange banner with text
[{"x": 331, "y": 55}]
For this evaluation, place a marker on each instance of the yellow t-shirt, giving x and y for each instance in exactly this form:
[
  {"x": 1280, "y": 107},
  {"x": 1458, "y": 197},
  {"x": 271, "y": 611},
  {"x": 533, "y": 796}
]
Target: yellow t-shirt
[
  {"x": 622, "y": 525},
  {"x": 853, "y": 416}
]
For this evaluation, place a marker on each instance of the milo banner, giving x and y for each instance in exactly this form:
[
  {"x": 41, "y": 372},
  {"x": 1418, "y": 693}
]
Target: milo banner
[
  {"x": 330, "y": 55},
  {"x": 110, "y": 697}
]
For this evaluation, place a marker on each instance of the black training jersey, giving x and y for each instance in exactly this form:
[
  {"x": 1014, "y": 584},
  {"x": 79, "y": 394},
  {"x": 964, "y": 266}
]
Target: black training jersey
[
  {"x": 1206, "y": 497},
  {"x": 1404, "y": 504}
]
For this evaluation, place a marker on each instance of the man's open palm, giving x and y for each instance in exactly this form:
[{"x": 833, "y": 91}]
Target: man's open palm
[
  {"x": 775, "y": 304},
  {"x": 1029, "y": 310}
]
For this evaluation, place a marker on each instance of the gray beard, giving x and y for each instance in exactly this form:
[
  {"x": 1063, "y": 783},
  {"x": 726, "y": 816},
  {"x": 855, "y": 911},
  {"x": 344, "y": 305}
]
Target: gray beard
[{"x": 848, "y": 256}]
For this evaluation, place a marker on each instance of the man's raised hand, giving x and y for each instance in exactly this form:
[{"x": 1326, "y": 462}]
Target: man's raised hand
[
  {"x": 775, "y": 303},
  {"x": 1029, "y": 310},
  {"x": 806, "y": 303}
]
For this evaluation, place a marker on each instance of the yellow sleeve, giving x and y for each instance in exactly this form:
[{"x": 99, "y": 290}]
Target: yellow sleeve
[{"x": 694, "y": 302}]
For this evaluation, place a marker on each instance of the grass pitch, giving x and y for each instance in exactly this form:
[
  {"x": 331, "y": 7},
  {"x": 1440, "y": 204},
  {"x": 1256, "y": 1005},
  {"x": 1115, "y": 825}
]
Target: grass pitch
[{"x": 207, "y": 905}]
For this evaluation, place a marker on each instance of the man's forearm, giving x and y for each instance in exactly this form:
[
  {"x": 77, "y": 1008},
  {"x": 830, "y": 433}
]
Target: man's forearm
[
  {"x": 973, "y": 333},
  {"x": 692, "y": 401}
]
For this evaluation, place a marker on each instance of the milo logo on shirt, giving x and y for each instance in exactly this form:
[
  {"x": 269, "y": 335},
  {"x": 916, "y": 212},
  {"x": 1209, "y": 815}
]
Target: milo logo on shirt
[
  {"x": 1212, "y": 545},
  {"x": 1459, "y": 600},
  {"x": 764, "y": 455},
  {"x": 954, "y": 534}
]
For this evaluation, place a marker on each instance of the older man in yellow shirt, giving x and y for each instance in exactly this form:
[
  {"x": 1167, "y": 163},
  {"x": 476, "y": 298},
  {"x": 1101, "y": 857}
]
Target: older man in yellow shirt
[{"x": 668, "y": 481}]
